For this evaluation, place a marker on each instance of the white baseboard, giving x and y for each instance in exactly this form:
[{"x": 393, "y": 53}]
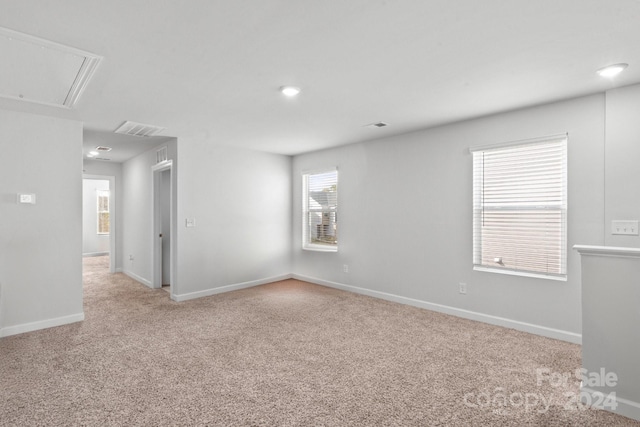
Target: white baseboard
[
  {"x": 119, "y": 270},
  {"x": 88, "y": 254},
  {"x": 467, "y": 314},
  {"x": 228, "y": 288},
  {"x": 41, "y": 324},
  {"x": 626, "y": 408},
  {"x": 138, "y": 278}
]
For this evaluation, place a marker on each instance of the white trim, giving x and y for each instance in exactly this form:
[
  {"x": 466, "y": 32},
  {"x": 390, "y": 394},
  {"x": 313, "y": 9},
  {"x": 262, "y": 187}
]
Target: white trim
[
  {"x": 562, "y": 278},
  {"x": 90, "y": 254},
  {"x": 319, "y": 248},
  {"x": 112, "y": 215},
  {"x": 119, "y": 270},
  {"x": 518, "y": 142},
  {"x": 41, "y": 324},
  {"x": 156, "y": 227},
  {"x": 229, "y": 288},
  {"x": 611, "y": 251},
  {"x": 466, "y": 314},
  {"x": 316, "y": 171},
  {"x": 626, "y": 408},
  {"x": 138, "y": 278}
]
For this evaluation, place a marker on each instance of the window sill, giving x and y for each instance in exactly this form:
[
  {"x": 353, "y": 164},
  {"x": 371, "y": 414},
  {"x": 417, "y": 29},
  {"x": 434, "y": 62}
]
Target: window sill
[
  {"x": 320, "y": 248},
  {"x": 520, "y": 273}
]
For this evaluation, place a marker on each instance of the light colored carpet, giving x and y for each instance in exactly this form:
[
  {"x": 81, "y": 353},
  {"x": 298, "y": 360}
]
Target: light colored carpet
[{"x": 284, "y": 354}]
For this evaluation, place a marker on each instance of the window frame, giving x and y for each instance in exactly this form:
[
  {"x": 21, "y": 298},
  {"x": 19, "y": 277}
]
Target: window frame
[
  {"x": 306, "y": 211},
  {"x": 561, "y": 207}
]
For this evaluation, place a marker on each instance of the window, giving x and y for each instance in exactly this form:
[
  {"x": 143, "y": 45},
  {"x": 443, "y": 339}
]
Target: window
[
  {"x": 103, "y": 211},
  {"x": 320, "y": 211},
  {"x": 520, "y": 207}
]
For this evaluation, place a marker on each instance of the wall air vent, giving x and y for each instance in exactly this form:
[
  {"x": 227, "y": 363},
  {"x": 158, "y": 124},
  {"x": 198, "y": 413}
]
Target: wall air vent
[
  {"x": 42, "y": 71},
  {"x": 161, "y": 155},
  {"x": 139, "y": 129}
]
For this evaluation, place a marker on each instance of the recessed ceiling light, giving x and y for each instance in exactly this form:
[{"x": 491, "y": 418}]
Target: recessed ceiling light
[
  {"x": 612, "y": 70},
  {"x": 290, "y": 90},
  {"x": 93, "y": 153}
]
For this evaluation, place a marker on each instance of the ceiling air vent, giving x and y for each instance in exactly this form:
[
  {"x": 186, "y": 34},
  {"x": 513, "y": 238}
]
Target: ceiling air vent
[
  {"x": 378, "y": 125},
  {"x": 139, "y": 129},
  {"x": 103, "y": 148}
]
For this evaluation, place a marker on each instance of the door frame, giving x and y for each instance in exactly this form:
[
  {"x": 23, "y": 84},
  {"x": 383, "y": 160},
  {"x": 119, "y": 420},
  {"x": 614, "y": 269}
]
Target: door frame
[
  {"x": 112, "y": 215},
  {"x": 156, "y": 226}
]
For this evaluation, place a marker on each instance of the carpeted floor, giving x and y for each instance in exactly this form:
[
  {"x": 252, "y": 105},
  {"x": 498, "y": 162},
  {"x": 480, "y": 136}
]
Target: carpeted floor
[{"x": 284, "y": 354}]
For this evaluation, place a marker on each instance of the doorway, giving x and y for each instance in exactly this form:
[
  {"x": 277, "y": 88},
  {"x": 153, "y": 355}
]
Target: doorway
[
  {"x": 98, "y": 218},
  {"x": 162, "y": 226}
]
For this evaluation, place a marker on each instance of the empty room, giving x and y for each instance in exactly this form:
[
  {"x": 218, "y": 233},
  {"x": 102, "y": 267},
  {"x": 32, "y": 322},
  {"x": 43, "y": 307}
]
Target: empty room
[{"x": 297, "y": 213}]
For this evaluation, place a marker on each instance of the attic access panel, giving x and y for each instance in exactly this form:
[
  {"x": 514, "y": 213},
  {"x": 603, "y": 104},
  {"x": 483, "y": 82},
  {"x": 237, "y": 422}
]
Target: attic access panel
[{"x": 42, "y": 71}]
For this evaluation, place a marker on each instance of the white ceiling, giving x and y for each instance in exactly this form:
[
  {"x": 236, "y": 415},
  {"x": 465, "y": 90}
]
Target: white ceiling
[
  {"x": 211, "y": 69},
  {"x": 123, "y": 147}
]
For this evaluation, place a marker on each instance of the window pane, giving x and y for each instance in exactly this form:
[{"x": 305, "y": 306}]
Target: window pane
[
  {"x": 320, "y": 199},
  {"x": 103, "y": 211},
  {"x": 520, "y": 203},
  {"x": 103, "y": 223},
  {"x": 322, "y": 228}
]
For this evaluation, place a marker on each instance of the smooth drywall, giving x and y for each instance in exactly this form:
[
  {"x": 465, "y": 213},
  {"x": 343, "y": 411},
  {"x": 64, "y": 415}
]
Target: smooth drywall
[
  {"x": 108, "y": 169},
  {"x": 41, "y": 243},
  {"x": 92, "y": 242},
  {"x": 405, "y": 217},
  {"x": 622, "y": 155},
  {"x": 611, "y": 315},
  {"x": 137, "y": 212},
  {"x": 241, "y": 203}
]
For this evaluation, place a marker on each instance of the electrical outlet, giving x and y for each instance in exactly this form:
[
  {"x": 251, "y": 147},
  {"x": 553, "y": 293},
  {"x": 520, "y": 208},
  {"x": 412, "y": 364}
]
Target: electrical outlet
[
  {"x": 345, "y": 268},
  {"x": 462, "y": 288},
  {"x": 130, "y": 257},
  {"x": 624, "y": 227}
]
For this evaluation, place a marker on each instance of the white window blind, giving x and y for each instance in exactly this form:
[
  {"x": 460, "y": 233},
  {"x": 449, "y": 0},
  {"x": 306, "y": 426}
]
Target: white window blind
[
  {"x": 320, "y": 211},
  {"x": 103, "y": 211},
  {"x": 520, "y": 206}
]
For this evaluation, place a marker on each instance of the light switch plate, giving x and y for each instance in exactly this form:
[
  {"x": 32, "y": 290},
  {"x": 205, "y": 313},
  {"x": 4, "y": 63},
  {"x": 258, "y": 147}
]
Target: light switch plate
[
  {"x": 190, "y": 222},
  {"x": 27, "y": 198},
  {"x": 626, "y": 227}
]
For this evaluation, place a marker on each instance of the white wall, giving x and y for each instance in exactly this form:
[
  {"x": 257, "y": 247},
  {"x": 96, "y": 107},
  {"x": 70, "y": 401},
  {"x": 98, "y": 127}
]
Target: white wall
[
  {"x": 96, "y": 167},
  {"x": 622, "y": 157},
  {"x": 611, "y": 277},
  {"x": 241, "y": 201},
  {"x": 611, "y": 315},
  {"x": 405, "y": 218},
  {"x": 92, "y": 242},
  {"x": 41, "y": 244}
]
